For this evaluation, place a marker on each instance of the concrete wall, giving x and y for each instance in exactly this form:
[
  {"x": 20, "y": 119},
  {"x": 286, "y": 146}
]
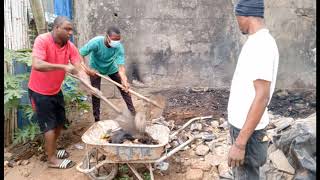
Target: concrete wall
[{"x": 197, "y": 42}]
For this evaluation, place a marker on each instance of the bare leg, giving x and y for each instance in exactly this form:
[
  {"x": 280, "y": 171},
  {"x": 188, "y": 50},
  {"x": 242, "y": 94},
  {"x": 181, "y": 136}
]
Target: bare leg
[
  {"x": 57, "y": 132},
  {"x": 50, "y": 146}
]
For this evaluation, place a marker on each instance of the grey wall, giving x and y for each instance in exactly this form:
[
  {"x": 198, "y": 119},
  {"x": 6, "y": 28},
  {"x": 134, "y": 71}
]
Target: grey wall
[{"x": 176, "y": 43}]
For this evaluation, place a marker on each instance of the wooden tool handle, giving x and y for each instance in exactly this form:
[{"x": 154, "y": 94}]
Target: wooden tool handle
[
  {"x": 99, "y": 96},
  {"x": 131, "y": 91}
]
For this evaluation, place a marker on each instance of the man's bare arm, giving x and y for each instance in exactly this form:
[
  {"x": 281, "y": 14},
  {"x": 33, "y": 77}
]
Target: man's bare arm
[
  {"x": 260, "y": 102},
  {"x": 123, "y": 76},
  {"x": 41, "y": 65},
  {"x": 122, "y": 72},
  {"x": 85, "y": 66}
]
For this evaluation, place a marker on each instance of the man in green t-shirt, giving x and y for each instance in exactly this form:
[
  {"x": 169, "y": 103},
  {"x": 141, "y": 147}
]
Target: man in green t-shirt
[{"x": 107, "y": 58}]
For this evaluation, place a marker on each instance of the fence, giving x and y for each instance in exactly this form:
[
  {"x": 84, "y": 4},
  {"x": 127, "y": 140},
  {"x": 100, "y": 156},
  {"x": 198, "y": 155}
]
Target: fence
[{"x": 16, "y": 20}]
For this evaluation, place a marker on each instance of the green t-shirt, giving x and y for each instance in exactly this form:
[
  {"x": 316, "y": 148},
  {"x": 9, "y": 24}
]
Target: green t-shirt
[{"x": 103, "y": 59}]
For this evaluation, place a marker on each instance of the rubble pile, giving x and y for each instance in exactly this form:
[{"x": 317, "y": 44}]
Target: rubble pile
[
  {"x": 293, "y": 149},
  {"x": 291, "y": 153},
  {"x": 205, "y": 157}
]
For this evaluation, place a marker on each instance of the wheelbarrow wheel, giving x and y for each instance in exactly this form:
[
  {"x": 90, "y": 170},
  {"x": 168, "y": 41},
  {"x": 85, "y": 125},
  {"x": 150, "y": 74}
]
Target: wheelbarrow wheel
[
  {"x": 105, "y": 172},
  {"x": 95, "y": 175}
]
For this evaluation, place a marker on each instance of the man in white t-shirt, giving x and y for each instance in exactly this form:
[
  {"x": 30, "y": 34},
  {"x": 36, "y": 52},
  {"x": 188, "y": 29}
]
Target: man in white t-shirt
[{"x": 252, "y": 87}]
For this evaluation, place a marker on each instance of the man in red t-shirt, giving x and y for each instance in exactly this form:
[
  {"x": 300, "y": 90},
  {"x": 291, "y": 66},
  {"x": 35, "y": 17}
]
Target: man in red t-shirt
[{"x": 51, "y": 54}]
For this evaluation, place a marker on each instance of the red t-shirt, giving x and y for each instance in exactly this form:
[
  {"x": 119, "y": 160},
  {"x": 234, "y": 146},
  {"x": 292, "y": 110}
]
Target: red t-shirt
[{"x": 44, "y": 48}]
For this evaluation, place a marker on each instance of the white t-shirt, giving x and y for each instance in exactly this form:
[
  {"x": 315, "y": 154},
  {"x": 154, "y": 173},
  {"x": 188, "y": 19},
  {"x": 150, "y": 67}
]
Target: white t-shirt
[{"x": 258, "y": 60}]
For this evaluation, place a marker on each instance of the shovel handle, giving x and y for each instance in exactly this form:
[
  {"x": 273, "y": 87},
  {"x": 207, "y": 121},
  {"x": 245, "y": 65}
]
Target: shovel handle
[
  {"x": 101, "y": 97},
  {"x": 131, "y": 91}
]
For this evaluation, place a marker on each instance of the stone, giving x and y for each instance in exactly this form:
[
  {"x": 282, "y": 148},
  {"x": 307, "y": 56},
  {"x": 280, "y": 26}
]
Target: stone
[
  {"x": 271, "y": 116},
  {"x": 211, "y": 145},
  {"x": 300, "y": 106},
  {"x": 283, "y": 123},
  {"x": 194, "y": 174},
  {"x": 26, "y": 173},
  {"x": 11, "y": 163},
  {"x": 313, "y": 103},
  {"x": 19, "y": 162},
  {"x": 25, "y": 162},
  {"x": 282, "y": 94},
  {"x": 280, "y": 161},
  {"x": 205, "y": 136},
  {"x": 196, "y": 126},
  {"x": 214, "y": 160},
  {"x": 208, "y": 129},
  {"x": 215, "y": 124},
  {"x": 6, "y": 163},
  {"x": 224, "y": 169},
  {"x": 175, "y": 143},
  {"x": 224, "y": 125},
  {"x": 188, "y": 162},
  {"x": 191, "y": 153},
  {"x": 271, "y": 149},
  {"x": 222, "y": 150},
  {"x": 204, "y": 165},
  {"x": 222, "y": 120},
  {"x": 202, "y": 150},
  {"x": 213, "y": 174},
  {"x": 7, "y": 155}
]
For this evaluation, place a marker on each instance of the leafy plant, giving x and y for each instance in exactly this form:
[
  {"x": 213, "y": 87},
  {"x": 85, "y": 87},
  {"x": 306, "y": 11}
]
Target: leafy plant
[
  {"x": 123, "y": 169},
  {"x": 146, "y": 176},
  {"x": 12, "y": 83},
  {"x": 123, "y": 177},
  {"x": 13, "y": 90},
  {"x": 26, "y": 134},
  {"x": 74, "y": 98},
  {"x": 22, "y": 55},
  {"x": 27, "y": 111}
]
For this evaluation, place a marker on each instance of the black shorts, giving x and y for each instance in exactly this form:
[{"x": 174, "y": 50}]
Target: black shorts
[{"x": 49, "y": 110}]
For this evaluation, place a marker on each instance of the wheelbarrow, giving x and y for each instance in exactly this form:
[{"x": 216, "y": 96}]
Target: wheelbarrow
[{"x": 102, "y": 158}]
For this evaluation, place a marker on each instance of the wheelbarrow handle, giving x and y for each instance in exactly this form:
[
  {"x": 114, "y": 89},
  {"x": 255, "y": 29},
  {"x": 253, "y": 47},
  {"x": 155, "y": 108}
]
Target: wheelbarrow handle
[
  {"x": 187, "y": 124},
  {"x": 173, "y": 151}
]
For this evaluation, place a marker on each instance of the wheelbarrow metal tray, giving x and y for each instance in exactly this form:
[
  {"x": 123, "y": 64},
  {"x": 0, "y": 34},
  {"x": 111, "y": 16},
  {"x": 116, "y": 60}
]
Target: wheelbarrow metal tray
[{"x": 126, "y": 152}]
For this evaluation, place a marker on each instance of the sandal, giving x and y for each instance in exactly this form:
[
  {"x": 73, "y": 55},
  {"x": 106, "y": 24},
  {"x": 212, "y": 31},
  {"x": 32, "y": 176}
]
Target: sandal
[
  {"x": 62, "y": 154},
  {"x": 65, "y": 164}
]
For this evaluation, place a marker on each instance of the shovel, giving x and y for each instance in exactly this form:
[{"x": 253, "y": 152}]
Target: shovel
[
  {"x": 130, "y": 90},
  {"x": 125, "y": 119}
]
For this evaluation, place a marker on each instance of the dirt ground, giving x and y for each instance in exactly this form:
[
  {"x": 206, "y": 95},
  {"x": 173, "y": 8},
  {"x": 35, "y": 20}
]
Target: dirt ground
[{"x": 181, "y": 106}]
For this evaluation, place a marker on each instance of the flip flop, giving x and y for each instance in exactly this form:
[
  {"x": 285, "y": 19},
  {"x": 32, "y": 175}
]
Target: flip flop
[
  {"x": 62, "y": 154},
  {"x": 65, "y": 164}
]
